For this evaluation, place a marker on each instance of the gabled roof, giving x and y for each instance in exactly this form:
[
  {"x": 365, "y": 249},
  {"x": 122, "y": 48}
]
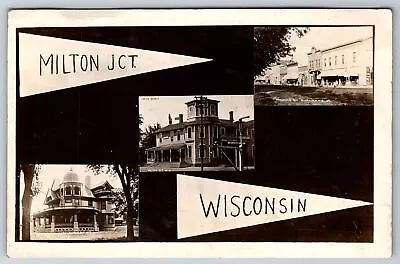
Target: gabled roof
[{"x": 105, "y": 183}]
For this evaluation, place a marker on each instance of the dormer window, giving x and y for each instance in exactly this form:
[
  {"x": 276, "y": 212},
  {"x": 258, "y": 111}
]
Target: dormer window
[
  {"x": 68, "y": 190},
  {"x": 77, "y": 190}
]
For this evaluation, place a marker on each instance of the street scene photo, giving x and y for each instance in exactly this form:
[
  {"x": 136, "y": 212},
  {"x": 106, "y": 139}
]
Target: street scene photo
[
  {"x": 196, "y": 133},
  {"x": 313, "y": 65},
  {"x": 77, "y": 202}
]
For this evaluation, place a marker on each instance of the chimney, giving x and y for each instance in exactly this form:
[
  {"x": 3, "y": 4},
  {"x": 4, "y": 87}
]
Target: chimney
[
  {"x": 169, "y": 119},
  {"x": 180, "y": 118},
  {"x": 231, "y": 116},
  {"x": 88, "y": 182}
]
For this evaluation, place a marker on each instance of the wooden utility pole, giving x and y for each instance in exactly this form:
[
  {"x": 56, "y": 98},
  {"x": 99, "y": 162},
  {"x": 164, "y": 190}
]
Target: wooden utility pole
[{"x": 200, "y": 102}]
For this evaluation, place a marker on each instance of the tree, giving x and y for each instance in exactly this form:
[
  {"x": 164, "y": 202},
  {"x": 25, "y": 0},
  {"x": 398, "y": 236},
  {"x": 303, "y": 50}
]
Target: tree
[
  {"x": 32, "y": 188},
  {"x": 148, "y": 139},
  {"x": 128, "y": 175},
  {"x": 271, "y": 44}
]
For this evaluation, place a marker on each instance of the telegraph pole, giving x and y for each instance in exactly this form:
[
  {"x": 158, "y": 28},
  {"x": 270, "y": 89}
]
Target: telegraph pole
[
  {"x": 200, "y": 99},
  {"x": 241, "y": 142}
]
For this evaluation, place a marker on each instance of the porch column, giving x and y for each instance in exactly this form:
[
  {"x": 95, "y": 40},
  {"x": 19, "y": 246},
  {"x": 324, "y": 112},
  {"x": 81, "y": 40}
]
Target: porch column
[
  {"x": 96, "y": 227},
  {"x": 180, "y": 155},
  {"x": 170, "y": 155},
  {"x": 162, "y": 159},
  {"x": 53, "y": 224},
  {"x": 154, "y": 156},
  {"x": 76, "y": 227}
]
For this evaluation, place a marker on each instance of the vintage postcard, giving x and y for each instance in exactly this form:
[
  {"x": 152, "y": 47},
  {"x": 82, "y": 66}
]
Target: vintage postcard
[{"x": 221, "y": 133}]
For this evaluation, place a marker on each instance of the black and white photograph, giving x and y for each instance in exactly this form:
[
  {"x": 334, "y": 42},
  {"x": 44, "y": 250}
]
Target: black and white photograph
[
  {"x": 78, "y": 202},
  {"x": 189, "y": 133},
  {"x": 313, "y": 65},
  {"x": 187, "y": 126}
]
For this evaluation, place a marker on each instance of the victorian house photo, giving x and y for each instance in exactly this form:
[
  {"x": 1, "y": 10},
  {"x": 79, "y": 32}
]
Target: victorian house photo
[
  {"x": 199, "y": 132},
  {"x": 74, "y": 203}
]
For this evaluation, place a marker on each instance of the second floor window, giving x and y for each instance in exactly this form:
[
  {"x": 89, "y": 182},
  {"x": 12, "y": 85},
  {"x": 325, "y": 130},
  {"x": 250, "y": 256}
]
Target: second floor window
[
  {"x": 354, "y": 57},
  {"x": 342, "y": 58},
  {"x": 77, "y": 191},
  {"x": 325, "y": 62},
  {"x": 201, "y": 130},
  {"x": 178, "y": 135},
  {"x": 212, "y": 109},
  {"x": 160, "y": 139},
  {"x": 90, "y": 203},
  {"x": 103, "y": 205},
  {"x": 223, "y": 131},
  {"x": 68, "y": 191},
  {"x": 330, "y": 63},
  {"x": 335, "y": 60},
  {"x": 189, "y": 130}
]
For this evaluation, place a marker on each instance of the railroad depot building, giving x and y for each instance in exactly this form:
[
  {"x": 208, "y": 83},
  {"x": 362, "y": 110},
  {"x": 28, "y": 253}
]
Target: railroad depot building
[
  {"x": 74, "y": 205},
  {"x": 180, "y": 143}
]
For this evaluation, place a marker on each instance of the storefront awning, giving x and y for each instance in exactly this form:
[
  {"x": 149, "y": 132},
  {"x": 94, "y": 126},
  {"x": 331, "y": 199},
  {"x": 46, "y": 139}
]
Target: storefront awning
[
  {"x": 340, "y": 72},
  {"x": 333, "y": 73}
]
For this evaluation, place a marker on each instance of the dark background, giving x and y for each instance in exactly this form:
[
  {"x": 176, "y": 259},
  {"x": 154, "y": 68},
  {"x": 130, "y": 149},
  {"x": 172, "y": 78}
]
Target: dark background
[
  {"x": 314, "y": 149},
  {"x": 321, "y": 150}
]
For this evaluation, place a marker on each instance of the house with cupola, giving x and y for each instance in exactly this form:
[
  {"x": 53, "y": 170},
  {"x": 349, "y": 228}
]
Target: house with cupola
[
  {"x": 76, "y": 205},
  {"x": 203, "y": 133}
]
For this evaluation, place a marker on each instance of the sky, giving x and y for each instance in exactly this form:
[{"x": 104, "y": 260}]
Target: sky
[
  {"x": 156, "y": 109},
  {"x": 49, "y": 172},
  {"x": 325, "y": 37}
]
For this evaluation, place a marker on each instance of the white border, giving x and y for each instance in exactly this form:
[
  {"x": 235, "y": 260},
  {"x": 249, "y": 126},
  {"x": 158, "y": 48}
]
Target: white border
[{"x": 382, "y": 19}]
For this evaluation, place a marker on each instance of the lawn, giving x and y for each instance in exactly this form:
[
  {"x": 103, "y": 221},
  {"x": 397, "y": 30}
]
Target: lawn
[{"x": 117, "y": 235}]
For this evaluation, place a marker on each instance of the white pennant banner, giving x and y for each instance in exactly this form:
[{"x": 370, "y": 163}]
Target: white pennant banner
[
  {"x": 48, "y": 64},
  {"x": 206, "y": 206}
]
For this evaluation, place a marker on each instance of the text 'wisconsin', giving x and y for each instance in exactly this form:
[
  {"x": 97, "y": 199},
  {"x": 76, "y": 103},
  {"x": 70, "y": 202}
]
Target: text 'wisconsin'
[{"x": 235, "y": 205}]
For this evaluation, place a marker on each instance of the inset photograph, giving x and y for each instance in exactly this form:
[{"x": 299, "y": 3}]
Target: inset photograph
[
  {"x": 78, "y": 202},
  {"x": 313, "y": 65},
  {"x": 197, "y": 133}
]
